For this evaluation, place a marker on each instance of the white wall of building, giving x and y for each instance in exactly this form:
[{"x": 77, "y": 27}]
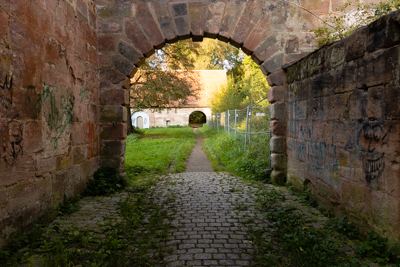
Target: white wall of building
[
  {"x": 146, "y": 119},
  {"x": 175, "y": 116}
]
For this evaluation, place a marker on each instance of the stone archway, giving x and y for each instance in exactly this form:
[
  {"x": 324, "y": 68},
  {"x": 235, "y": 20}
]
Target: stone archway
[{"x": 273, "y": 33}]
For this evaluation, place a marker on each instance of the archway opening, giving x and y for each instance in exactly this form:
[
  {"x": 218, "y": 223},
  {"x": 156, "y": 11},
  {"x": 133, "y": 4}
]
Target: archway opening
[{"x": 197, "y": 119}]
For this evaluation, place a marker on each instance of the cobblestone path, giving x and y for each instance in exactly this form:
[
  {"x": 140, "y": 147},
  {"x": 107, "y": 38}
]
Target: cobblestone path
[{"x": 213, "y": 212}]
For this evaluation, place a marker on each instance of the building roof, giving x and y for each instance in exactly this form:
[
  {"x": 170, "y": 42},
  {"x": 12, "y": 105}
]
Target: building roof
[{"x": 210, "y": 81}]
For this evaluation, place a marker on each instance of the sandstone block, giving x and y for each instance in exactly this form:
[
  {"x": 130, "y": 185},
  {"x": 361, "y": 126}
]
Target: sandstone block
[
  {"x": 138, "y": 38},
  {"x": 277, "y": 78},
  {"x": 110, "y": 26},
  {"x": 82, "y": 8},
  {"x": 167, "y": 26},
  {"x": 233, "y": 11},
  {"x": 26, "y": 194},
  {"x": 182, "y": 27},
  {"x": 335, "y": 54},
  {"x": 279, "y": 162},
  {"x": 122, "y": 64},
  {"x": 4, "y": 29},
  {"x": 278, "y": 111},
  {"x": 149, "y": 26},
  {"x": 112, "y": 149},
  {"x": 355, "y": 44},
  {"x": 382, "y": 33},
  {"x": 268, "y": 47},
  {"x": 115, "y": 10},
  {"x": 3, "y": 202},
  {"x": 278, "y": 145},
  {"x": 259, "y": 33},
  {"x": 273, "y": 63},
  {"x": 278, "y": 177},
  {"x": 32, "y": 137},
  {"x": 114, "y": 97},
  {"x": 198, "y": 13},
  {"x": 278, "y": 128},
  {"x": 113, "y": 131},
  {"x": 391, "y": 102},
  {"x": 289, "y": 58},
  {"x": 58, "y": 187},
  {"x": 79, "y": 154},
  {"x": 45, "y": 165},
  {"x": 249, "y": 19},
  {"x": 116, "y": 162},
  {"x": 276, "y": 94},
  {"x": 376, "y": 68},
  {"x": 214, "y": 18},
  {"x": 112, "y": 114},
  {"x": 375, "y": 103},
  {"x": 130, "y": 53}
]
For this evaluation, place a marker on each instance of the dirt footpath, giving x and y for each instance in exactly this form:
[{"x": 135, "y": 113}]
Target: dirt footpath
[{"x": 198, "y": 161}]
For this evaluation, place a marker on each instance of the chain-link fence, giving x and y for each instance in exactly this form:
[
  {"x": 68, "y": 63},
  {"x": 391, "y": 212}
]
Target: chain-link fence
[{"x": 250, "y": 126}]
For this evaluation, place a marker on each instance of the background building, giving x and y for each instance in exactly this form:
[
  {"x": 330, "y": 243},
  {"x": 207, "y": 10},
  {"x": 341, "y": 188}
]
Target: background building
[{"x": 209, "y": 80}]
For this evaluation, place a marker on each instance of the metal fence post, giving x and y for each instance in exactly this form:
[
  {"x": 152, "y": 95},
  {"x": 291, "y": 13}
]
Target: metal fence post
[
  {"x": 229, "y": 115},
  {"x": 247, "y": 123},
  {"x": 235, "y": 122},
  {"x": 216, "y": 115},
  {"x": 250, "y": 119}
]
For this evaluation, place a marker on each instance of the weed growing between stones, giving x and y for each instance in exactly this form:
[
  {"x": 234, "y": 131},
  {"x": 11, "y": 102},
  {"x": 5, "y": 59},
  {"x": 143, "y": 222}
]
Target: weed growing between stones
[
  {"x": 68, "y": 206},
  {"x": 293, "y": 238},
  {"x": 379, "y": 250},
  {"x": 105, "y": 181},
  {"x": 137, "y": 238},
  {"x": 290, "y": 239}
]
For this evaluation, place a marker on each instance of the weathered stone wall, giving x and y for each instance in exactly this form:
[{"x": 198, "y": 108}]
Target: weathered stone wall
[
  {"x": 48, "y": 106},
  {"x": 343, "y": 125}
]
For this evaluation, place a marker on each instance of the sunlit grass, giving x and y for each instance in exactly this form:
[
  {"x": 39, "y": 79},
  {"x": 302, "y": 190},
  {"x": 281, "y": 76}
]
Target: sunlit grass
[
  {"x": 158, "y": 151},
  {"x": 227, "y": 154}
]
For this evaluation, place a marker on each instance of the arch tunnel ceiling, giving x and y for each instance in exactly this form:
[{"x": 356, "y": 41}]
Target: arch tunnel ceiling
[{"x": 273, "y": 32}]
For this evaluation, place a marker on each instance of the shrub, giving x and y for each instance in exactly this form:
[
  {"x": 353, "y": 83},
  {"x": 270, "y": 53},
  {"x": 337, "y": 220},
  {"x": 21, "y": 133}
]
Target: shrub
[{"x": 105, "y": 181}]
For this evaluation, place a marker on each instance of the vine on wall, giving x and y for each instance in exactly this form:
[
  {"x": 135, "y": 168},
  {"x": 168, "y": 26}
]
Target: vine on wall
[{"x": 343, "y": 22}]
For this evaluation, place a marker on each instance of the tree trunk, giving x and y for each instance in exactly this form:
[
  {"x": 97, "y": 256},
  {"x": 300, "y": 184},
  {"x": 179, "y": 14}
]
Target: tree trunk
[{"x": 129, "y": 128}]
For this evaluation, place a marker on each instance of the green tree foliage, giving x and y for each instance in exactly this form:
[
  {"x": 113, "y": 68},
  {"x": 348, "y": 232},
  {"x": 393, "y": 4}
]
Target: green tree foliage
[
  {"x": 158, "y": 85},
  {"x": 246, "y": 86},
  {"x": 350, "y": 17}
]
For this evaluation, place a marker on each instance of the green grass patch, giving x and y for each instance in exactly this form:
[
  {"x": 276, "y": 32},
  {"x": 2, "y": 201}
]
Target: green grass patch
[
  {"x": 158, "y": 151},
  {"x": 227, "y": 154}
]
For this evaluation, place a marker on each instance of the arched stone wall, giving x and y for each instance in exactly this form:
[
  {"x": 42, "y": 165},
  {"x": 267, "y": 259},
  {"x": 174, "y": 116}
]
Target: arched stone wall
[{"x": 273, "y": 33}]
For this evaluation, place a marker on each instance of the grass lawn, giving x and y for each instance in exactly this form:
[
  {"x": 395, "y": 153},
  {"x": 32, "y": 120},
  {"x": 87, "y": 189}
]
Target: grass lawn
[
  {"x": 158, "y": 151},
  {"x": 227, "y": 154}
]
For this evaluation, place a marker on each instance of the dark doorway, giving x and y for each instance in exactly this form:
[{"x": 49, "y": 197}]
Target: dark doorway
[{"x": 197, "y": 118}]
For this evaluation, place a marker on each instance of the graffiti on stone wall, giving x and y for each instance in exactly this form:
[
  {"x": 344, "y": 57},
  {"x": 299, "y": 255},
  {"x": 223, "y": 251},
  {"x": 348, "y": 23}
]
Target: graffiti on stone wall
[
  {"x": 319, "y": 154},
  {"x": 59, "y": 117},
  {"x": 373, "y": 138},
  {"x": 11, "y": 135}
]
